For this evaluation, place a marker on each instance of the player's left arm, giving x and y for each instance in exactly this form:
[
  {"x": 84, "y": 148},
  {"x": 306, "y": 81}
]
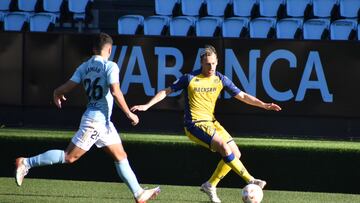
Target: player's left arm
[
  {"x": 249, "y": 99},
  {"x": 59, "y": 93},
  {"x": 120, "y": 101}
]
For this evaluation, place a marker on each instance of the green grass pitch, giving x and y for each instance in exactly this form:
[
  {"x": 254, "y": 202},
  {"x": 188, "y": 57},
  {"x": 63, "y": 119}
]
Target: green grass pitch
[
  {"x": 44, "y": 190},
  {"x": 41, "y": 190}
]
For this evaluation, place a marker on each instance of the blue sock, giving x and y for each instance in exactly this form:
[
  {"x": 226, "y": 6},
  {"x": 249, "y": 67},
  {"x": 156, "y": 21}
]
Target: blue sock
[
  {"x": 127, "y": 175},
  {"x": 47, "y": 158}
]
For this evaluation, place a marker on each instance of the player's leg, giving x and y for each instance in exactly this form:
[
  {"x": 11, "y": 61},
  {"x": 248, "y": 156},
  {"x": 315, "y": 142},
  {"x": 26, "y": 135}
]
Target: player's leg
[
  {"x": 84, "y": 138},
  {"x": 50, "y": 157},
  {"x": 250, "y": 178},
  {"x": 222, "y": 168},
  {"x": 111, "y": 143},
  {"x": 229, "y": 157},
  {"x": 201, "y": 133},
  {"x": 230, "y": 153}
]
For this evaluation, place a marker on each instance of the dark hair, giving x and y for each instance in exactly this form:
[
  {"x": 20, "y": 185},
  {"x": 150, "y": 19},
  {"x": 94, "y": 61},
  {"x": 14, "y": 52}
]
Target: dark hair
[
  {"x": 100, "y": 40},
  {"x": 207, "y": 51}
]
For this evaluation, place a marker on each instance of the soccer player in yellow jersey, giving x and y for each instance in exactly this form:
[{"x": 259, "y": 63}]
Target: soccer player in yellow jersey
[{"x": 201, "y": 89}]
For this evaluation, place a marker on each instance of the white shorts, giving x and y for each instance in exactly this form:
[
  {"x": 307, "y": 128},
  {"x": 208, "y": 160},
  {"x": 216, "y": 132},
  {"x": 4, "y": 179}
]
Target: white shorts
[{"x": 91, "y": 132}]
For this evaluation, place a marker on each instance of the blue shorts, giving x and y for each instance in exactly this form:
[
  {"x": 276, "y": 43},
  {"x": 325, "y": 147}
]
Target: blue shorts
[{"x": 203, "y": 132}]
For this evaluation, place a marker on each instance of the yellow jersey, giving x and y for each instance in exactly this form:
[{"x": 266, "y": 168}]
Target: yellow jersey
[{"x": 201, "y": 94}]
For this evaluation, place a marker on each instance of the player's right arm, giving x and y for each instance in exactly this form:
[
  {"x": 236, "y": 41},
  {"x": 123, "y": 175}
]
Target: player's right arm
[
  {"x": 59, "y": 93},
  {"x": 157, "y": 98}
]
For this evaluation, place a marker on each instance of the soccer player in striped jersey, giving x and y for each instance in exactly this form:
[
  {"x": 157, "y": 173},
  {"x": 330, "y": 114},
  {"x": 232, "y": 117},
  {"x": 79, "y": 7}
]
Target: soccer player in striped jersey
[
  {"x": 100, "y": 79},
  {"x": 202, "y": 88}
]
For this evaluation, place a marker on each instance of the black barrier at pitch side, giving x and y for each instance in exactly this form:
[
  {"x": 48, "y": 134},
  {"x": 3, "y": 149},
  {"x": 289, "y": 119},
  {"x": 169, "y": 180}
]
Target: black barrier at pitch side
[{"x": 309, "y": 79}]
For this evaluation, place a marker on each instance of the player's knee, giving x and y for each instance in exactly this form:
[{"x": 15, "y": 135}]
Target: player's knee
[
  {"x": 120, "y": 156},
  {"x": 224, "y": 149},
  {"x": 237, "y": 154},
  {"x": 70, "y": 159}
]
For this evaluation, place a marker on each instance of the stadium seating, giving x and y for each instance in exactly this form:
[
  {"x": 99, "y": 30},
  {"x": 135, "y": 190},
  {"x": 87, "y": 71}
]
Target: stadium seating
[
  {"x": 165, "y": 7},
  {"x": 235, "y": 27},
  {"x": 4, "y": 8},
  {"x": 289, "y": 28},
  {"x": 315, "y": 29},
  {"x": 15, "y": 21},
  {"x": 53, "y": 6},
  {"x": 349, "y": 8},
  {"x": 191, "y": 7},
  {"x": 342, "y": 30},
  {"x": 298, "y": 8},
  {"x": 27, "y": 5},
  {"x": 245, "y": 8},
  {"x": 216, "y": 7},
  {"x": 5, "y": 5},
  {"x": 324, "y": 8},
  {"x": 208, "y": 26},
  {"x": 262, "y": 27},
  {"x": 41, "y": 22},
  {"x": 156, "y": 25},
  {"x": 78, "y": 8},
  {"x": 271, "y": 8},
  {"x": 130, "y": 24},
  {"x": 182, "y": 25}
]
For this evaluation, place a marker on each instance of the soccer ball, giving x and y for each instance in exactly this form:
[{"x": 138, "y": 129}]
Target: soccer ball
[{"x": 252, "y": 193}]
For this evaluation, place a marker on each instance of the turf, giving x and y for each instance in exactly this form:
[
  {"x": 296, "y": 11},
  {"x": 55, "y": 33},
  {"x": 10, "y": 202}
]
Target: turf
[
  {"x": 42, "y": 190},
  {"x": 243, "y": 140}
]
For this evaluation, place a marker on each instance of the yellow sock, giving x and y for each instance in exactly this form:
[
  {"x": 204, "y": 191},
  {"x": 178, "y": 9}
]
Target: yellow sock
[
  {"x": 221, "y": 170},
  {"x": 240, "y": 169}
]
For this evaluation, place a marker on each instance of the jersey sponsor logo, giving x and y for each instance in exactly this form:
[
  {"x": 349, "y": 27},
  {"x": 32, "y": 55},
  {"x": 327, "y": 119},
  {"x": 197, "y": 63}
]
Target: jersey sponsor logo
[{"x": 204, "y": 89}]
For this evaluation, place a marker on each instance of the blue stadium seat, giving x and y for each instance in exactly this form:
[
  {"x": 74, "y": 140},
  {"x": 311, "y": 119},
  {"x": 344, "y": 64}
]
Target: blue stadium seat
[
  {"x": 182, "y": 25},
  {"x": 342, "y": 30},
  {"x": 2, "y": 15},
  {"x": 191, "y": 7},
  {"x": 208, "y": 26},
  {"x": 235, "y": 27},
  {"x": 53, "y": 6},
  {"x": 15, "y": 21},
  {"x": 297, "y": 8},
  {"x": 244, "y": 8},
  {"x": 217, "y": 7},
  {"x": 27, "y": 5},
  {"x": 41, "y": 22},
  {"x": 156, "y": 25},
  {"x": 324, "y": 8},
  {"x": 270, "y": 8},
  {"x": 4, "y": 8},
  {"x": 358, "y": 31},
  {"x": 262, "y": 27},
  {"x": 289, "y": 28},
  {"x": 349, "y": 8},
  {"x": 165, "y": 7},
  {"x": 130, "y": 24},
  {"x": 315, "y": 29},
  {"x": 78, "y": 8},
  {"x": 5, "y": 5}
]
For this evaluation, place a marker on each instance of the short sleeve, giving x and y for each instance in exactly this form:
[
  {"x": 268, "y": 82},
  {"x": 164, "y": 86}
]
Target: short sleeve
[
  {"x": 113, "y": 73},
  {"x": 180, "y": 83},
  {"x": 229, "y": 86},
  {"x": 77, "y": 75}
]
